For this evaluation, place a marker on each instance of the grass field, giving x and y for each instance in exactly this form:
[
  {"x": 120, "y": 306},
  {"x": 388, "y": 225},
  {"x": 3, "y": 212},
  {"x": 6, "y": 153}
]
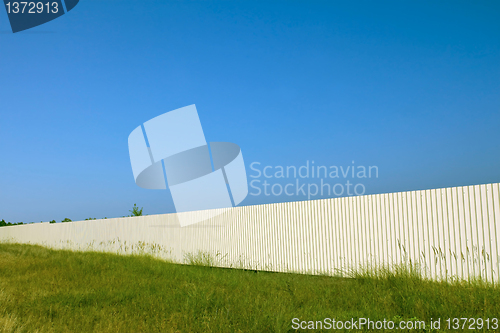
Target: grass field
[{"x": 43, "y": 290}]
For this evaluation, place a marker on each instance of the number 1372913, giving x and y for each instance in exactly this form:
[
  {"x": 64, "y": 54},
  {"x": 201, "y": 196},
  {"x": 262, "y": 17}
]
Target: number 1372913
[{"x": 32, "y": 7}]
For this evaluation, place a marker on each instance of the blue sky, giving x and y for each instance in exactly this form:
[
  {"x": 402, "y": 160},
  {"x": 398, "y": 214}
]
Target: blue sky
[{"x": 412, "y": 87}]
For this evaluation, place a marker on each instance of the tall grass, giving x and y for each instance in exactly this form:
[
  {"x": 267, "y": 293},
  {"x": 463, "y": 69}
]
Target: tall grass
[{"x": 44, "y": 290}]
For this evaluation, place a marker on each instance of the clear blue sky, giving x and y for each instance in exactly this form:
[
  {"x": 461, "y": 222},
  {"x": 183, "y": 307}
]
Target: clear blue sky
[{"x": 412, "y": 87}]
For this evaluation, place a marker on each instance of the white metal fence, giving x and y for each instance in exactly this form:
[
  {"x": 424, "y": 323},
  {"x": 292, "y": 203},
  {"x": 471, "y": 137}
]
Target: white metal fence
[{"x": 450, "y": 232}]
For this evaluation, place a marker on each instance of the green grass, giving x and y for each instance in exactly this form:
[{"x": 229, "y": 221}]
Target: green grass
[{"x": 43, "y": 290}]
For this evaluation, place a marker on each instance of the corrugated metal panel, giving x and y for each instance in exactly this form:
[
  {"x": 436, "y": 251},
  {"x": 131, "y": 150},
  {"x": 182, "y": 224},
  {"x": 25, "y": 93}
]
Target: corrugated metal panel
[{"x": 450, "y": 233}]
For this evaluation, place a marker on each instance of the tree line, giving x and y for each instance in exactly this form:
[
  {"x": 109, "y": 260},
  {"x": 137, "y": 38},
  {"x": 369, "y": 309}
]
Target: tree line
[{"x": 134, "y": 212}]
